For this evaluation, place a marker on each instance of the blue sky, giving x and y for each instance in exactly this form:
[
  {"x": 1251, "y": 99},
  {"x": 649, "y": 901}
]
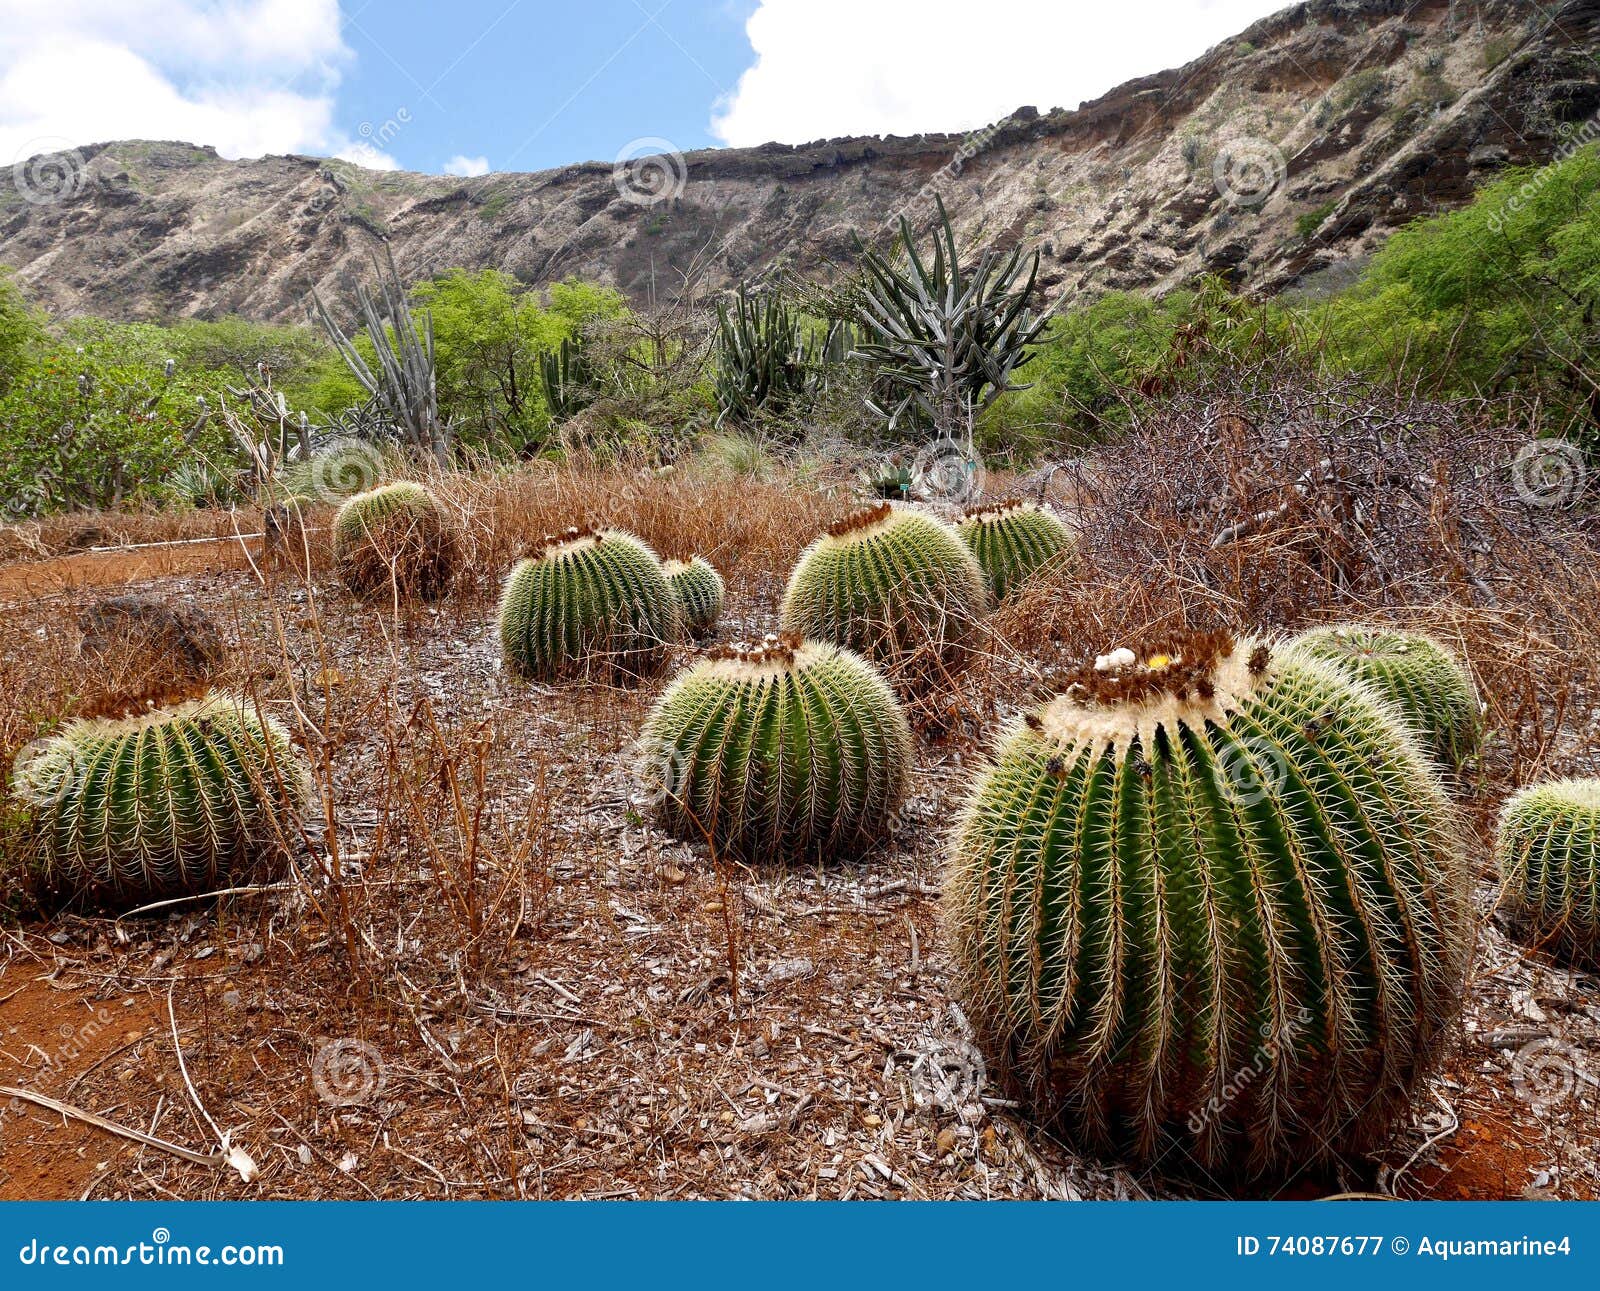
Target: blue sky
[{"x": 475, "y": 85}]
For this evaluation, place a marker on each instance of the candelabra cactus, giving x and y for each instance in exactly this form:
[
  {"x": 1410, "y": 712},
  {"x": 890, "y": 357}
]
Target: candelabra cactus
[
  {"x": 1549, "y": 854},
  {"x": 1211, "y": 897},
  {"x": 1012, "y": 540},
  {"x": 787, "y": 748},
  {"x": 174, "y": 802},
  {"x": 1425, "y": 681},
  {"x": 588, "y": 601},
  {"x": 895, "y": 585},
  {"x": 698, "y": 589},
  {"x": 395, "y": 539}
]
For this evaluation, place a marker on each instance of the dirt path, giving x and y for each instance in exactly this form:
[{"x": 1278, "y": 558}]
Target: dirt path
[
  {"x": 53, "y": 1036},
  {"x": 33, "y": 580}
]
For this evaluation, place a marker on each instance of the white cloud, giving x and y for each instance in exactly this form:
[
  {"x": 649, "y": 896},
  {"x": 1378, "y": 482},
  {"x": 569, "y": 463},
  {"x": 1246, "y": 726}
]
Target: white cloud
[
  {"x": 467, "y": 167},
  {"x": 839, "y": 67},
  {"x": 247, "y": 77}
]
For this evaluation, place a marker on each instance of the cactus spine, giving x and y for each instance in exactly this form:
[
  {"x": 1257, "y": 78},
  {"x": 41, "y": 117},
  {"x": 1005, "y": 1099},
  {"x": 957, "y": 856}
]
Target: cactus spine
[
  {"x": 1012, "y": 540},
  {"x": 699, "y": 590},
  {"x": 783, "y": 749},
  {"x": 1425, "y": 681},
  {"x": 1549, "y": 855},
  {"x": 588, "y": 602},
  {"x": 895, "y": 585},
  {"x": 1208, "y": 861},
  {"x": 395, "y": 539},
  {"x": 173, "y": 802}
]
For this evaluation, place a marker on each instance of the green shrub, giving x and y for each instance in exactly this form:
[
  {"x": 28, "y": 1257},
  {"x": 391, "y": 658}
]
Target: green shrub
[
  {"x": 1206, "y": 859},
  {"x": 787, "y": 749},
  {"x": 1548, "y": 851},
  {"x": 589, "y": 602}
]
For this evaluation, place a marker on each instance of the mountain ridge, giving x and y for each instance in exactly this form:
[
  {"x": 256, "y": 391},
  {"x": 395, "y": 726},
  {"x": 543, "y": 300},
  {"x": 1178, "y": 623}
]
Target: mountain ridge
[{"x": 1281, "y": 155}]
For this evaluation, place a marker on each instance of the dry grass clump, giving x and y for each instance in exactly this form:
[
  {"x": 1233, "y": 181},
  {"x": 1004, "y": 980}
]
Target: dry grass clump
[{"x": 140, "y": 650}]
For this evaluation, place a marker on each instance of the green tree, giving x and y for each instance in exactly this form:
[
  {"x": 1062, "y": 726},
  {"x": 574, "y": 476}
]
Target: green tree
[{"x": 21, "y": 330}]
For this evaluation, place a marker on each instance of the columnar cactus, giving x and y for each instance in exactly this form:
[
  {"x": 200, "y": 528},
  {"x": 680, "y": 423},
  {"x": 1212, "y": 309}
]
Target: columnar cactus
[
  {"x": 1549, "y": 855},
  {"x": 698, "y": 589},
  {"x": 893, "y": 584},
  {"x": 784, "y": 749},
  {"x": 591, "y": 602},
  {"x": 1211, "y": 898},
  {"x": 1416, "y": 674},
  {"x": 395, "y": 539},
  {"x": 1012, "y": 540},
  {"x": 174, "y": 802}
]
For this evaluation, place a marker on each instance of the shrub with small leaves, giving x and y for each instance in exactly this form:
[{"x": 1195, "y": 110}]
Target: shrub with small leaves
[
  {"x": 1012, "y": 540},
  {"x": 784, "y": 749},
  {"x": 1202, "y": 859},
  {"x": 1423, "y": 679},
  {"x": 396, "y": 540},
  {"x": 174, "y": 802},
  {"x": 699, "y": 590},
  {"x": 588, "y": 602},
  {"x": 893, "y": 584},
  {"x": 1548, "y": 850}
]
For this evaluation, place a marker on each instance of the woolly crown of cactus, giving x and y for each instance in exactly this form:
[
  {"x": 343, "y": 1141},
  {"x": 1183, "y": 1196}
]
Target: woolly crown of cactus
[
  {"x": 699, "y": 591},
  {"x": 1205, "y": 856},
  {"x": 895, "y": 585},
  {"x": 1422, "y": 678},
  {"x": 174, "y": 802},
  {"x": 784, "y": 748},
  {"x": 1548, "y": 850},
  {"x": 588, "y": 601},
  {"x": 395, "y": 538},
  {"x": 1012, "y": 540}
]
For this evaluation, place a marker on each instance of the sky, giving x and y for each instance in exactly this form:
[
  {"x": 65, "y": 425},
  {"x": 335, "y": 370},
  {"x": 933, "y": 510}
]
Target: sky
[{"x": 472, "y": 86}]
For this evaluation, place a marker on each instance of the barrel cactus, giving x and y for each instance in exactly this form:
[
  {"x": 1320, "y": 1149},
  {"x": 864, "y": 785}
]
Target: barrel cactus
[
  {"x": 893, "y": 584},
  {"x": 780, "y": 749},
  {"x": 395, "y": 540},
  {"x": 1012, "y": 540},
  {"x": 1423, "y": 679},
  {"x": 589, "y": 601},
  {"x": 698, "y": 589},
  {"x": 1213, "y": 898},
  {"x": 173, "y": 802},
  {"x": 1549, "y": 854}
]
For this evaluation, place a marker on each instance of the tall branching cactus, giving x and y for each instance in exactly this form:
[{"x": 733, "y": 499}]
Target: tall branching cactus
[
  {"x": 565, "y": 374},
  {"x": 783, "y": 749},
  {"x": 588, "y": 602},
  {"x": 1423, "y": 679},
  {"x": 1548, "y": 851},
  {"x": 896, "y": 585},
  {"x": 404, "y": 383},
  {"x": 171, "y": 803},
  {"x": 1211, "y": 898},
  {"x": 764, "y": 363},
  {"x": 946, "y": 339}
]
